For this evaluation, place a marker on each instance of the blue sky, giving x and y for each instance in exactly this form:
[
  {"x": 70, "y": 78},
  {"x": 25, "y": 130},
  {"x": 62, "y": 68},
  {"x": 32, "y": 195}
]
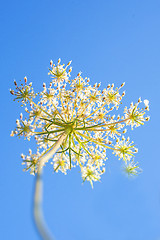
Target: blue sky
[{"x": 109, "y": 41}]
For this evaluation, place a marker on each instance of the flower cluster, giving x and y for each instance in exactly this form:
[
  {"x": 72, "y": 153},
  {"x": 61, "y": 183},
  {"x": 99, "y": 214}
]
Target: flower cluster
[{"x": 83, "y": 113}]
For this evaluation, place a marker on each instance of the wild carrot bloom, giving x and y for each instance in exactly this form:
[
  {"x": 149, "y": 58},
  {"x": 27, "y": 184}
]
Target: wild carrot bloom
[{"x": 83, "y": 113}]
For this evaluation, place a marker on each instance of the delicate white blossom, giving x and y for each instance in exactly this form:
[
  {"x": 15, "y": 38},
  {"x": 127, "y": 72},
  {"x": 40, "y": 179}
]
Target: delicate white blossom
[
  {"x": 83, "y": 113},
  {"x": 132, "y": 169},
  {"x": 146, "y": 103}
]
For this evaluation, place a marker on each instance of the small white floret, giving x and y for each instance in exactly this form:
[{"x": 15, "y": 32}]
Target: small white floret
[{"x": 146, "y": 103}]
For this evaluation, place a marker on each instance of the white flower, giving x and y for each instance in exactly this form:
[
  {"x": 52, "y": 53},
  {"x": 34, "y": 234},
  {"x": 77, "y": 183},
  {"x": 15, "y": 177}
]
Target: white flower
[
  {"x": 81, "y": 113},
  {"x": 134, "y": 116},
  {"x": 146, "y": 103},
  {"x": 124, "y": 149},
  {"x": 131, "y": 169}
]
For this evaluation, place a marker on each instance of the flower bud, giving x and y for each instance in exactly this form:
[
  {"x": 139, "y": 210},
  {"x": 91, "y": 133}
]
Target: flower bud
[
  {"x": 122, "y": 84},
  {"x": 147, "y": 118},
  {"x": 136, "y": 150},
  {"x": 23, "y": 156},
  {"x": 12, "y": 134},
  {"x": 124, "y": 131},
  {"x": 12, "y": 92},
  {"x": 51, "y": 63},
  {"x": 70, "y": 70},
  {"x": 25, "y": 80},
  {"x": 123, "y": 94},
  {"x": 123, "y": 138},
  {"x": 69, "y": 63}
]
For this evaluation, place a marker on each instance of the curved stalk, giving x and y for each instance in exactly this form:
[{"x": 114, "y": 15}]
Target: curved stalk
[{"x": 38, "y": 214}]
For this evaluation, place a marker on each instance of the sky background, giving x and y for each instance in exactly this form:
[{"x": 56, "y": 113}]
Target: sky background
[{"x": 110, "y": 42}]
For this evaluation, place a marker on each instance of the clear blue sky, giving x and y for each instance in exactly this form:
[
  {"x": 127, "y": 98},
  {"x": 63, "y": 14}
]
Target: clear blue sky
[{"x": 109, "y": 41}]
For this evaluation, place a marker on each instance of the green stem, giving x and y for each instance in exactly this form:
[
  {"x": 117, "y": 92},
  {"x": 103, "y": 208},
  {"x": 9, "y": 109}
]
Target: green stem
[
  {"x": 38, "y": 214},
  {"x": 92, "y": 128}
]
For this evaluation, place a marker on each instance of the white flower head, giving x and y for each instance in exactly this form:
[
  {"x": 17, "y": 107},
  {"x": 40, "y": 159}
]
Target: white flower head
[{"x": 81, "y": 114}]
